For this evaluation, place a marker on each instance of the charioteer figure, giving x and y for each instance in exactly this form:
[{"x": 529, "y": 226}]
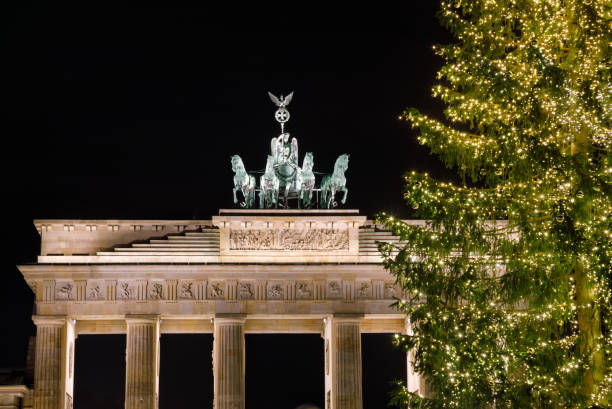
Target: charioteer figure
[{"x": 285, "y": 155}]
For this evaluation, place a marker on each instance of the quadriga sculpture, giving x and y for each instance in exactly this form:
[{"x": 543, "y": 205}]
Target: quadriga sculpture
[
  {"x": 269, "y": 185},
  {"x": 305, "y": 182},
  {"x": 334, "y": 183},
  {"x": 243, "y": 182}
]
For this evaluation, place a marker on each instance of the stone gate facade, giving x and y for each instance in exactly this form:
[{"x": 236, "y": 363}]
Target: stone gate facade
[{"x": 244, "y": 271}]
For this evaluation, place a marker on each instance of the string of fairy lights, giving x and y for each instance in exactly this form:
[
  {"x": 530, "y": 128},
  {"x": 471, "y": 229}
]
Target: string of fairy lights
[{"x": 508, "y": 285}]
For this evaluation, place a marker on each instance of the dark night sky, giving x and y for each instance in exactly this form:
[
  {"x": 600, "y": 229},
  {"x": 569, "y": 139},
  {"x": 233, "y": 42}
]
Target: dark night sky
[{"x": 134, "y": 113}]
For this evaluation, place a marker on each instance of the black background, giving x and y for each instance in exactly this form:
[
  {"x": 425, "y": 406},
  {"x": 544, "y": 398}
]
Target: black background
[{"x": 123, "y": 112}]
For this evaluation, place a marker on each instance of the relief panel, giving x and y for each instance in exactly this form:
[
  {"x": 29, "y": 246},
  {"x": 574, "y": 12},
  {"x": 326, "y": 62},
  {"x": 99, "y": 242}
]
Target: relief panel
[
  {"x": 95, "y": 291},
  {"x": 127, "y": 290},
  {"x": 289, "y": 239},
  {"x": 391, "y": 290},
  {"x": 334, "y": 289},
  {"x": 246, "y": 290},
  {"x": 216, "y": 290},
  {"x": 303, "y": 290},
  {"x": 276, "y": 290},
  {"x": 64, "y": 291},
  {"x": 155, "y": 290},
  {"x": 363, "y": 289},
  {"x": 186, "y": 290}
]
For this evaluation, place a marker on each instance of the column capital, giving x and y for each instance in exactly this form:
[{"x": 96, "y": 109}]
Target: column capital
[
  {"x": 356, "y": 318},
  {"x": 49, "y": 320},
  {"x": 141, "y": 319},
  {"x": 230, "y": 318}
]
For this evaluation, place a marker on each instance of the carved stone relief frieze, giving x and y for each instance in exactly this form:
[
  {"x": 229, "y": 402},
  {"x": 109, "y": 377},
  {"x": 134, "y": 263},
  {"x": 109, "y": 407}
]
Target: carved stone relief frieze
[
  {"x": 303, "y": 290},
  {"x": 64, "y": 291},
  {"x": 334, "y": 289},
  {"x": 364, "y": 289},
  {"x": 289, "y": 239},
  {"x": 216, "y": 290},
  {"x": 246, "y": 290},
  {"x": 155, "y": 290},
  {"x": 391, "y": 290},
  {"x": 276, "y": 291},
  {"x": 249, "y": 289},
  {"x": 95, "y": 291},
  {"x": 127, "y": 290},
  {"x": 186, "y": 290}
]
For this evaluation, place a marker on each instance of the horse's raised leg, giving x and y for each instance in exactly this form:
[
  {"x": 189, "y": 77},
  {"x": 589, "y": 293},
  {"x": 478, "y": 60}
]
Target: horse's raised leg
[{"x": 332, "y": 199}]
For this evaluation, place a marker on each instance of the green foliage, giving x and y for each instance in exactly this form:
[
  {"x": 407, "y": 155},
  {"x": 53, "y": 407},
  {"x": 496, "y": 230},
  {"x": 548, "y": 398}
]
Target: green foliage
[{"x": 508, "y": 284}]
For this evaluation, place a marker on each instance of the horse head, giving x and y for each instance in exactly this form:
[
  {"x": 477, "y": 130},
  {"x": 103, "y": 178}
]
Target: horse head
[
  {"x": 270, "y": 164},
  {"x": 237, "y": 165},
  {"x": 308, "y": 162},
  {"x": 342, "y": 162}
]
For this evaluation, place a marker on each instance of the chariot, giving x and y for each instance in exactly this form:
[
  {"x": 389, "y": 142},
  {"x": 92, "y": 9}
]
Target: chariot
[{"x": 283, "y": 179}]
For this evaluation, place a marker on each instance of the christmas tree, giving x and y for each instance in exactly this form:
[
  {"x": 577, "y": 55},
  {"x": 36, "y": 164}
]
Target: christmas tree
[{"x": 508, "y": 283}]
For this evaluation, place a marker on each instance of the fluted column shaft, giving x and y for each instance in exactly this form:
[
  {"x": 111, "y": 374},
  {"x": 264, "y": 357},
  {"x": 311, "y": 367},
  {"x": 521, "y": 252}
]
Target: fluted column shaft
[
  {"x": 347, "y": 379},
  {"x": 142, "y": 362},
  {"x": 52, "y": 374},
  {"x": 47, "y": 370},
  {"x": 342, "y": 336},
  {"x": 228, "y": 363}
]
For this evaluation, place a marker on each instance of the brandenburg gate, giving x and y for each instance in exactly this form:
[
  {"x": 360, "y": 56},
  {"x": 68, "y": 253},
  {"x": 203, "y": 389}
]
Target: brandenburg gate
[
  {"x": 315, "y": 269},
  {"x": 244, "y": 271}
]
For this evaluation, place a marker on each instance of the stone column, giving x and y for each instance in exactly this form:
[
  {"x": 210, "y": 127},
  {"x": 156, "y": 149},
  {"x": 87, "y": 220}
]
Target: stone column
[
  {"x": 415, "y": 382},
  {"x": 53, "y": 370},
  {"x": 142, "y": 362},
  {"x": 228, "y": 362},
  {"x": 413, "y": 379},
  {"x": 343, "y": 362}
]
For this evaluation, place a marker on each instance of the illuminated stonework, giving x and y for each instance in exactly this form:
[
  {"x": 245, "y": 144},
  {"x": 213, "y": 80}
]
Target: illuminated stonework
[
  {"x": 289, "y": 240},
  {"x": 241, "y": 272}
]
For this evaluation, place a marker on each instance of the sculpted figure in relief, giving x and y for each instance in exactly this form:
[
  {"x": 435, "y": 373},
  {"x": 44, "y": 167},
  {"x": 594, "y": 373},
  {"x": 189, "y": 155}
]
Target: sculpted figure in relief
[
  {"x": 246, "y": 290},
  {"x": 364, "y": 289},
  {"x": 64, "y": 292},
  {"x": 334, "y": 288},
  {"x": 303, "y": 290},
  {"x": 95, "y": 293},
  {"x": 125, "y": 291},
  {"x": 185, "y": 290},
  {"x": 390, "y": 290},
  {"x": 156, "y": 291},
  {"x": 275, "y": 291},
  {"x": 217, "y": 290},
  {"x": 289, "y": 239}
]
